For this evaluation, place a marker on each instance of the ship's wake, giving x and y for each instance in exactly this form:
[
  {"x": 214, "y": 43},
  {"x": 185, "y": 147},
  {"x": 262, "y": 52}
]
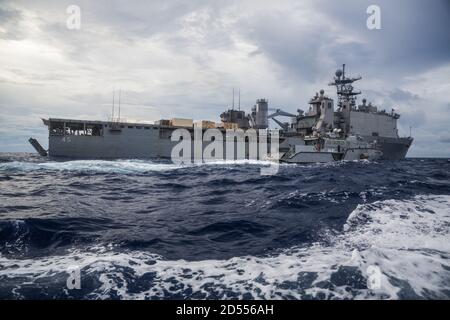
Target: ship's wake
[
  {"x": 406, "y": 239},
  {"x": 140, "y": 166},
  {"x": 90, "y": 166}
]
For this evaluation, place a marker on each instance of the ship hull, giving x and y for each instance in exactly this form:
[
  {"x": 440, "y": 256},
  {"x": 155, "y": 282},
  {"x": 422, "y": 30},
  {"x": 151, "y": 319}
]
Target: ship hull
[
  {"x": 129, "y": 141},
  {"x": 154, "y": 142},
  {"x": 151, "y": 145},
  {"x": 123, "y": 147},
  {"x": 392, "y": 148}
]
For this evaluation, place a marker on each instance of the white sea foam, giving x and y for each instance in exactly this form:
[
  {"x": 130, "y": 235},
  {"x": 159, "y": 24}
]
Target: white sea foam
[
  {"x": 407, "y": 239},
  {"x": 90, "y": 166},
  {"x": 116, "y": 166},
  {"x": 130, "y": 166}
]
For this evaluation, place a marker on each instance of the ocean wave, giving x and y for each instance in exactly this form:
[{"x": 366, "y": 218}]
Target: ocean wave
[
  {"x": 119, "y": 166},
  {"x": 89, "y": 166},
  {"x": 26, "y": 237},
  {"x": 136, "y": 166},
  {"x": 406, "y": 239}
]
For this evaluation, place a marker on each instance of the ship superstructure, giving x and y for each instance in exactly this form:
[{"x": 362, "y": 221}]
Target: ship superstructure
[{"x": 363, "y": 122}]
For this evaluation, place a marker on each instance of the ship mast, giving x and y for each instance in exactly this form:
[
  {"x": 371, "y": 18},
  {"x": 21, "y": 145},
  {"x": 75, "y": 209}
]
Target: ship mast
[
  {"x": 120, "y": 95},
  {"x": 344, "y": 87},
  {"x": 112, "y": 113}
]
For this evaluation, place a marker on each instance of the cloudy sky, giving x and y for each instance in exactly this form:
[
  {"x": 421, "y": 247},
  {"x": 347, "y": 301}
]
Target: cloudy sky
[{"x": 182, "y": 58}]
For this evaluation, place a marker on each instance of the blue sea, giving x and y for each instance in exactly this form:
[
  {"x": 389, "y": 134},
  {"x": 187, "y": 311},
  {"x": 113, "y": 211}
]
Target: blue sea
[{"x": 141, "y": 229}]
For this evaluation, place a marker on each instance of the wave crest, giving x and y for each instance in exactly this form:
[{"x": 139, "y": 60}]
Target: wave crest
[{"x": 407, "y": 240}]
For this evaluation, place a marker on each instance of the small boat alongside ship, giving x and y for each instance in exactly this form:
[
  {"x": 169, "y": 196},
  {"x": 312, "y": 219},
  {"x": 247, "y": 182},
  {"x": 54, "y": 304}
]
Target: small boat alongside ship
[{"x": 329, "y": 150}]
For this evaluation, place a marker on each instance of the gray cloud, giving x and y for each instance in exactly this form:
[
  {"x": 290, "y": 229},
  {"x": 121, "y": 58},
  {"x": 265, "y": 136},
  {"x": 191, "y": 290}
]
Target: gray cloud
[
  {"x": 414, "y": 35},
  {"x": 402, "y": 95},
  {"x": 10, "y": 24}
]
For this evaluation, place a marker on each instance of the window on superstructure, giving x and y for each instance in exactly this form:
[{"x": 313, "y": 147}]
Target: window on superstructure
[
  {"x": 56, "y": 128},
  {"x": 130, "y": 127},
  {"x": 138, "y": 127},
  {"x": 93, "y": 129},
  {"x": 76, "y": 128}
]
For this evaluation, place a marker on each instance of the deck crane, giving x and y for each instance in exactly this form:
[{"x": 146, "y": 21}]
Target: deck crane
[{"x": 279, "y": 112}]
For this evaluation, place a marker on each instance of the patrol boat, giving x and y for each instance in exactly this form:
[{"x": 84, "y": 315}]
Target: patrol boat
[{"x": 316, "y": 149}]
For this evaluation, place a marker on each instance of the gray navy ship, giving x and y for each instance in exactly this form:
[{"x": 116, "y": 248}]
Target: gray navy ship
[{"x": 323, "y": 133}]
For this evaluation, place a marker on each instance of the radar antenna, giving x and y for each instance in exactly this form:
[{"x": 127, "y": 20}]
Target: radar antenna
[{"x": 344, "y": 87}]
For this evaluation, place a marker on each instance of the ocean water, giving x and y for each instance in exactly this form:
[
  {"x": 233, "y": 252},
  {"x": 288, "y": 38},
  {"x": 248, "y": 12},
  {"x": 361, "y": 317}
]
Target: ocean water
[{"x": 141, "y": 229}]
